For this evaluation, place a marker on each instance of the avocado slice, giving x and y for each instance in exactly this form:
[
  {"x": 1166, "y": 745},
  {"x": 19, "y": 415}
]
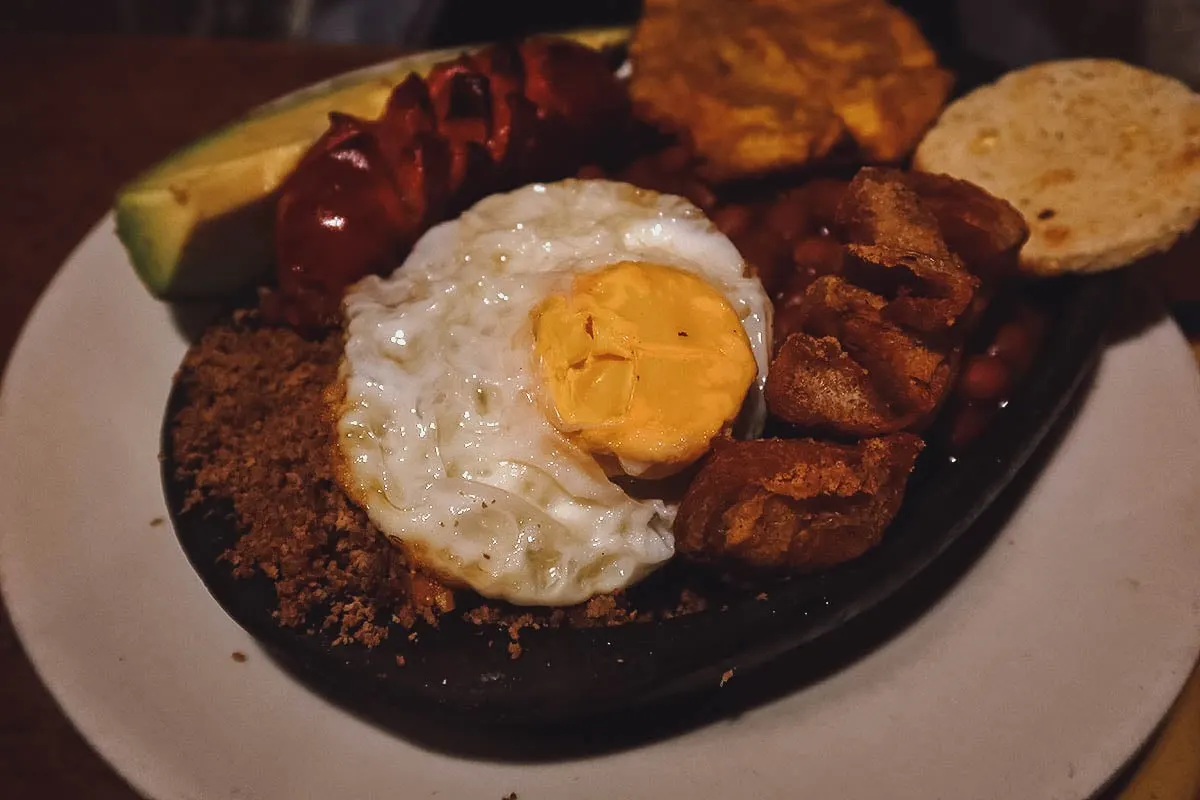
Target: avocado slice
[{"x": 198, "y": 224}]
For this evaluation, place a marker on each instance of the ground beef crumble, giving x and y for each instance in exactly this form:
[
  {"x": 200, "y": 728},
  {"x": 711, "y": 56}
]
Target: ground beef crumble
[{"x": 254, "y": 433}]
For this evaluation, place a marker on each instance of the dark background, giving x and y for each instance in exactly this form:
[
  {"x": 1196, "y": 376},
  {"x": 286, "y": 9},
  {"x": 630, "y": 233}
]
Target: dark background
[
  {"x": 446, "y": 21},
  {"x": 1110, "y": 27},
  {"x": 1161, "y": 34}
]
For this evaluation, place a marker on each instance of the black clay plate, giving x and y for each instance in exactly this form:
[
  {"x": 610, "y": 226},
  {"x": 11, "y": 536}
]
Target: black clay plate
[{"x": 566, "y": 672}]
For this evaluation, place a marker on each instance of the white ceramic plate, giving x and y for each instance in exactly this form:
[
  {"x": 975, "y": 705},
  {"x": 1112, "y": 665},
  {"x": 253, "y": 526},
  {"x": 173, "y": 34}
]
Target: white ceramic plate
[{"x": 1037, "y": 676}]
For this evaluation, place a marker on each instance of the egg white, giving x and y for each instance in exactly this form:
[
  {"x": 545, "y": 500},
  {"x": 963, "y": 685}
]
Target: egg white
[{"x": 442, "y": 437}]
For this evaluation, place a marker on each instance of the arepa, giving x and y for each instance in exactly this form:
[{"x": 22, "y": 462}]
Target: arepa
[{"x": 1101, "y": 157}]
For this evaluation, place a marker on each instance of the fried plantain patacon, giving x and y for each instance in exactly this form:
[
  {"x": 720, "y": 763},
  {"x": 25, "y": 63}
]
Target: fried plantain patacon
[
  {"x": 795, "y": 504},
  {"x": 764, "y": 85}
]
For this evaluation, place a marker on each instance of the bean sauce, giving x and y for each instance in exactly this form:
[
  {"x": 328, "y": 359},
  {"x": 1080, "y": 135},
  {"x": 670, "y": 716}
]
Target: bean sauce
[{"x": 993, "y": 369}]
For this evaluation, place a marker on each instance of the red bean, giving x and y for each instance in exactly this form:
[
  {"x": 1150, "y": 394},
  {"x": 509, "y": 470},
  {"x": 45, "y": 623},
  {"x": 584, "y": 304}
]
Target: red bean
[
  {"x": 979, "y": 304},
  {"x": 769, "y": 258},
  {"x": 789, "y": 215},
  {"x": 824, "y": 197},
  {"x": 1014, "y": 344},
  {"x": 985, "y": 378},
  {"x": 969, "y": 423},
  {"x": 590, "y": 172},
  {"x": 816, "y": 256},
  {"x": 787, "y": 316},
  {"x": 666, "y": 171},
  {"x": 732, "y": 220},
  {"x": 674, "y": 159},
  {"x": 699, "y": 193}
]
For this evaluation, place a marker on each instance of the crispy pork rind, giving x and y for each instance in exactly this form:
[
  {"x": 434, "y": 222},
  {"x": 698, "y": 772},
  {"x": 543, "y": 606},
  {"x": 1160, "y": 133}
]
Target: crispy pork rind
[
  {"x": 987, "y": 233},
  {"x": 856, "y": 374},
  {"x": 794, "y": 504},
  {"x": 873, "y": 350},
  {"x": 763, "y": 85}
]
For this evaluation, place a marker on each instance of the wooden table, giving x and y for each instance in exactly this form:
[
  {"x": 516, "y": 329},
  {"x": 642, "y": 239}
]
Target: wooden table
[{"x": 77, "y": 117}]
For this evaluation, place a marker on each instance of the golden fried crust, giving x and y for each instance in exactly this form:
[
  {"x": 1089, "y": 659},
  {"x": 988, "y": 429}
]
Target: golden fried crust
[
  {"x": 911, "y": 375},
  {"x": 795, "y": 504},
  {"x": 879, "y": 208},
  {"x": 817, "y": 381},
  {"x": 984, "y": 231},
  {"x": 763, "y": 85},
  {"x": 874, "y": 349},
  {"x": 896, "y": 249},
  {"x": 926, "y": 293},
  {"x": 934, "y": 214}
]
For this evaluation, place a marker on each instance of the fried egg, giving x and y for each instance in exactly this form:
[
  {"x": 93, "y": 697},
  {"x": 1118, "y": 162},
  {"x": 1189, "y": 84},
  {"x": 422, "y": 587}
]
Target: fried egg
[{"x": 513, "y": 391}]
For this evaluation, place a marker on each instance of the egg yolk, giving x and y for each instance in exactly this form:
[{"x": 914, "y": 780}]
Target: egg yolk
[{"x": 643, "y": 364}]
